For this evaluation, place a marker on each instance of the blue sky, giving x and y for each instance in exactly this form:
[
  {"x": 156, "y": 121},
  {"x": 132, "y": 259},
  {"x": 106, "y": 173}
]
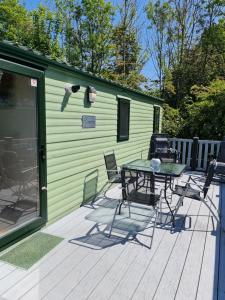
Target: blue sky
[{"x": 148, "y": 69}]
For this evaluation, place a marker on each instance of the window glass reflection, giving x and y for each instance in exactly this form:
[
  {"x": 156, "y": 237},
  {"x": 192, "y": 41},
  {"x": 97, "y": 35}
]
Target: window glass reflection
[{"x": 19, "y": 182}]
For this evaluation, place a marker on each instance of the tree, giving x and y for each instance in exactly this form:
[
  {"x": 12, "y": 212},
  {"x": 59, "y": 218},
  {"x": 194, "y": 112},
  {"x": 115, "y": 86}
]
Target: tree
[
  {"x": 36, "y": 29},
  {"x": 86, "y": 32},
  {"x": 127, "y": 60},
  {"x": 44, "y": 34},
  {"x": 160, "y": 17},
  {"x": 172, "y": 122},
  {"x": 205, "y": 117},
  {"x": 14, "y": 21}
]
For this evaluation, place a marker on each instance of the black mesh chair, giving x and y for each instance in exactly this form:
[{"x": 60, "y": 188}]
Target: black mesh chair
[
  {"x": 160, "y": 148},
  {"x": 145, "y": 198},
  {"x": 90, "y": 189},
  {"x": 198, "y": 190},
  {"x": 112, "y": 170}
]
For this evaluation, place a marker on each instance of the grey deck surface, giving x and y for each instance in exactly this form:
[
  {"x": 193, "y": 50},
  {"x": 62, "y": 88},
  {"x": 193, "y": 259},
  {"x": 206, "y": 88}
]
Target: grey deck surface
[{"x": 187, "y": 264}]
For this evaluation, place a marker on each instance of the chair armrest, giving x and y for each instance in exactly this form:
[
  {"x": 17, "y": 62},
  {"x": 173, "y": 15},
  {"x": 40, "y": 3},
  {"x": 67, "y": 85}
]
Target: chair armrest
[{"x": 172, "y": 150}]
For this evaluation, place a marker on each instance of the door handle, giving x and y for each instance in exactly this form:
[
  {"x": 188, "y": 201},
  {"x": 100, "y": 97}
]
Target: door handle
[
  {"x": 42, "y": 152},
  {"x": 44, "y": 188}
]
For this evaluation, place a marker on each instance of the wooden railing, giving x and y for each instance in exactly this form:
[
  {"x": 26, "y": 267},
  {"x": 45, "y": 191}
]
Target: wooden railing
[{"x": 195, "y": 153}]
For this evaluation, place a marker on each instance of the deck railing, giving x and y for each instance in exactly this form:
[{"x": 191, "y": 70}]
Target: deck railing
[{"x": 195, "y": 153}]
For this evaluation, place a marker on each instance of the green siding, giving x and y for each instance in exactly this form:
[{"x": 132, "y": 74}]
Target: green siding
[{"x": 73, "y": 152}]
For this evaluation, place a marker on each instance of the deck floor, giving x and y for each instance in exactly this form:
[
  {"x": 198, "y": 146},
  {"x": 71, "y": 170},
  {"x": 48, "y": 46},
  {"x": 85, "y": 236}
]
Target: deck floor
[{"x": 186, "y": 264}]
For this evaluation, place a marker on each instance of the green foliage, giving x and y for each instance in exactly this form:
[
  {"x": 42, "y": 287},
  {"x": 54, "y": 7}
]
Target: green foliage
[
  {"x": 127, "y": 59},
  {"x": 14, "y": 21},
  {"x": 205, "y": 117},
  {"x": 160, "y": 15},
  {"x": 86, "y": 32},
  {"x": 189, "y": 54},
  {"x": 172, "y": 121},
  {"x": 35, "y": 29},
  {"x": 81, "y": 32},
  {"x": 98, "y": 32},
  {"x": 44, "y": 33}
]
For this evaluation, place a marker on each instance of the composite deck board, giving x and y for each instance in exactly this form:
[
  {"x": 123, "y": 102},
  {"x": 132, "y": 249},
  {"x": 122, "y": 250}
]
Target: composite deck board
[
  {"x": 137, "y": 270},
  {"x": 147, "y": 288},
  {"x": 208, "y": 279},
  {"x": 87, "y": 275},
  {"x": 188, "y": 264},
  {"x": 65, "y": 252},
  {"x": 171, "y": 276},
  {"x": 188, "y": 284},
  {"x": 114, "y": 276},
  {"x": 25, "y": 281}
]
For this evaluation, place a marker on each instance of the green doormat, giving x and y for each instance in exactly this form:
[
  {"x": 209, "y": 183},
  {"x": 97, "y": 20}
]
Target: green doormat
[{"x": 30, "y": 251}]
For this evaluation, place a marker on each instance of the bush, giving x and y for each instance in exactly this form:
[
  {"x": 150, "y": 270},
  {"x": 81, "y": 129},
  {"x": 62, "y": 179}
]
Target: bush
[
  {"x": 172, "y": 122},
  {"x": 206, "y": 117}
]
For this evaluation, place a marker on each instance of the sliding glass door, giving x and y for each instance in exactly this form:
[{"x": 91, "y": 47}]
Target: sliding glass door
[{"x": 22, "y": 147}]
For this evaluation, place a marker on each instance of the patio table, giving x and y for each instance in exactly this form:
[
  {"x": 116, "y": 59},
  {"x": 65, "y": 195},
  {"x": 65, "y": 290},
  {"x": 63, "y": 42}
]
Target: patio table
[{"x": 166, "y": 170}]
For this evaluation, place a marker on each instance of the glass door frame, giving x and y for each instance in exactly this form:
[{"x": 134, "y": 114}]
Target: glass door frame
[{"x": 32, "y": 225}]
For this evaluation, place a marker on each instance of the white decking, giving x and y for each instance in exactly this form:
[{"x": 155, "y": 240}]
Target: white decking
[{"x": 187, "y": 264}]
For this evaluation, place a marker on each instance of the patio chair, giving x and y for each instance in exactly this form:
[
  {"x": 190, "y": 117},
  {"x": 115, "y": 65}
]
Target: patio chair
[
  {"x": 198, "y": 190},
  {"x": 90, "y": 190},
  {"x": 113, "y": 172},
  {"x": 145, "y": 197},
  {"x": 160, "y": 148}
]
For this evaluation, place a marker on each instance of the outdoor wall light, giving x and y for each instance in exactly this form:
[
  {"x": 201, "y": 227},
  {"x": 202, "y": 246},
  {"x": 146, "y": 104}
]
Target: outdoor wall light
[
  {"x": 69, "y": 88},
  {"x": 91, "y": 94}
]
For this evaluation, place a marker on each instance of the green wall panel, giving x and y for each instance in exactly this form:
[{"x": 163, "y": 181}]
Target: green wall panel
[{"x": 72, "y": 151}]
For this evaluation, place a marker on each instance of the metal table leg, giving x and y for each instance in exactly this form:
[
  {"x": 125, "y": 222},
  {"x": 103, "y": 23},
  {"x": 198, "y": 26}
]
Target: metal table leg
[
  {"x": 124, "y": 194},
  {"x": 167, "y": 202},
  {"x": 152, "y": 188}
]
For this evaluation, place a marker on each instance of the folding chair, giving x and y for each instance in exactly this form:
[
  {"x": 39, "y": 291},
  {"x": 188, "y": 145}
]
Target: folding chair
[
  {"x": 144, "y": 198},
  {"x": 113, "y": 172},
  {"x": 199, "y": 192},
  {"x": 160, "y": 148},
  {"x": 90, "y": 189}
]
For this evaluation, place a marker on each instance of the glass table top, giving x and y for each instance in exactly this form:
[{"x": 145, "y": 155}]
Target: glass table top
[{"x": 166, "y": 169}]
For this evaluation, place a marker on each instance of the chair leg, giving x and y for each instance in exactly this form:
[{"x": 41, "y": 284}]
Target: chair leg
[
  {"x": 161, "y": 212},
  {"x": 129, "y": 208}
]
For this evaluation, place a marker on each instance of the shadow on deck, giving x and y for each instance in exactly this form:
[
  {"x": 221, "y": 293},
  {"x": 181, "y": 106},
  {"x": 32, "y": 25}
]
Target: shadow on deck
[{"x": 186, "y": 264}]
